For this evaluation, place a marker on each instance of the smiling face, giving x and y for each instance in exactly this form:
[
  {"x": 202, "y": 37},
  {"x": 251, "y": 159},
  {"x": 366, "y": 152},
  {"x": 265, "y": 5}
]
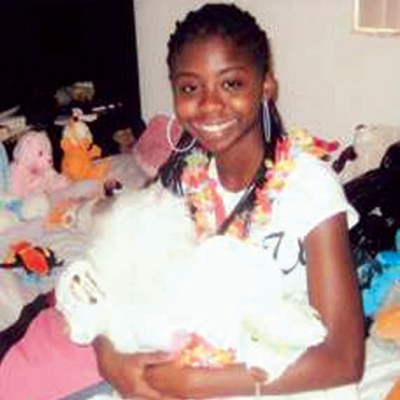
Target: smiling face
[{"x": 218, "y": 91}]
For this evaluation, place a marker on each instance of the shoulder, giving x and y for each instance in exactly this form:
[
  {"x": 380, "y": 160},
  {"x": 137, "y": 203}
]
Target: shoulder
[
  {"x": 312, "y": 194},
  {"x": 309, "y": 172}
]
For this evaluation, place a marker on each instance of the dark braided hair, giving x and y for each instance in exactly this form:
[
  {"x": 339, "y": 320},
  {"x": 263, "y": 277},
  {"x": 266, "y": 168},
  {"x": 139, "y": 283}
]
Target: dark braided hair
[
  {"x": 239, "y": 26},
  {"x": 227, "y": 21}
]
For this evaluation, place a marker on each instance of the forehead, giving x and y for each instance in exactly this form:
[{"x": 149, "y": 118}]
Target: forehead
[{"x": 211, "y": 53}]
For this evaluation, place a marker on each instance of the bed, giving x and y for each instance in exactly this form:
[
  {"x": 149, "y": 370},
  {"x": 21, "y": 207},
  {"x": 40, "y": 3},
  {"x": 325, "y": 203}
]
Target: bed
[
  {"x": 25, "y": 296},
  {"x": 66, "y": 241},
  {"x": 369, "y": 171}
]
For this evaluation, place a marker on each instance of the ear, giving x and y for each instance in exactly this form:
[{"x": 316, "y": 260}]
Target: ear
[{"x": 270, "y": 86}]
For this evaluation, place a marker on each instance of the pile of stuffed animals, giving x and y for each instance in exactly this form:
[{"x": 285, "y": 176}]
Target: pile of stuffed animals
[{"x": 28, "y": 180}]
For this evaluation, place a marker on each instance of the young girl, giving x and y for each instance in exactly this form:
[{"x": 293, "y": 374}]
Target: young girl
[{"x": 291, "y": 206}]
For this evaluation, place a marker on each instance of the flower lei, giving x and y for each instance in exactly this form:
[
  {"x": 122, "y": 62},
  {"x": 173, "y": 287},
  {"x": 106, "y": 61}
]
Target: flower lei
[
  {"x": 206, "y": 203},
  {"x": 208, "y": 212}
]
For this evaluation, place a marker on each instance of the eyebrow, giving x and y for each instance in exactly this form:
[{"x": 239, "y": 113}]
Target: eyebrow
[{"x": 224, "y": 71}]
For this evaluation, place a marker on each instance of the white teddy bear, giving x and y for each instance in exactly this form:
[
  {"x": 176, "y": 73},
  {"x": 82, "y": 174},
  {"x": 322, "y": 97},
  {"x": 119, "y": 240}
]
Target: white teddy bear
[{"x": 146, "y": 281}]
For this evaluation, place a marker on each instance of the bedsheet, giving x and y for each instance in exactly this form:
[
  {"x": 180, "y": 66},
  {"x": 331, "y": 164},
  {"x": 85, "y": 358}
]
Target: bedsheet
[
  {"x": 17, "y": 288},
  {"x": 382, "y": 368}
]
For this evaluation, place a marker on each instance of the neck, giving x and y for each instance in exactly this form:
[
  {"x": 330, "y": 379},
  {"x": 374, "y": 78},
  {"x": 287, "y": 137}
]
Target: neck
[{"x": 237, "y": 167}]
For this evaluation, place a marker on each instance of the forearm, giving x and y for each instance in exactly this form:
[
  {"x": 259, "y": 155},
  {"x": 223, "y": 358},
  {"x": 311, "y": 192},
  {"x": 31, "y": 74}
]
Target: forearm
[
  {"x": 125, "y": 371},
  {"x": 321, "y": 367},
  {"x": 237, "y": 380},
  {"x": 198, "y": 382},
  {"x": 114, "y": 367},
  {"x": 105, "y": 355}
]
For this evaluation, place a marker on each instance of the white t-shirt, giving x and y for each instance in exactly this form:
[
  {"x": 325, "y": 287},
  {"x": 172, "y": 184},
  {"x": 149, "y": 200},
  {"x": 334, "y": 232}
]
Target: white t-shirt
[{"x": 311, "y": 195}]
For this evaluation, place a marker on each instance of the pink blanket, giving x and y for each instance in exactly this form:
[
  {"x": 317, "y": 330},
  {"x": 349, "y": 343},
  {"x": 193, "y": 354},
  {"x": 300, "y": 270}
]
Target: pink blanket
[{"x": 45, "y": 365}]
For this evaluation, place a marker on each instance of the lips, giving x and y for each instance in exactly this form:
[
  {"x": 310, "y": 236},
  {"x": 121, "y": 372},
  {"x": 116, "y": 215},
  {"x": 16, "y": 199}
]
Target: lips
[{"x": 214, "y": 127}]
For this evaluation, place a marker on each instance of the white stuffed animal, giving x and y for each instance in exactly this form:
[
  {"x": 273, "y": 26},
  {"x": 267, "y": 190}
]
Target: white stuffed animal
[
  {"x": 366, "y": 151},
  {"x": 146, "y": 281}
]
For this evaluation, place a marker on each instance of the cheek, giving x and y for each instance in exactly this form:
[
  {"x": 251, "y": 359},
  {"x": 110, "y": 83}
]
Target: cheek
[
  {"x": 184, "y": 109},
  {"x": 248, "y": 102},
  {"x": 247, "y": 107}
]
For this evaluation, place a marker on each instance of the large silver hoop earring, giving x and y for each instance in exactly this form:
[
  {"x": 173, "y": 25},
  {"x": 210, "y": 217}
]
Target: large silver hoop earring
[
  {"x": 266, "y": 121},
  {"x": 170, "y": 141}
]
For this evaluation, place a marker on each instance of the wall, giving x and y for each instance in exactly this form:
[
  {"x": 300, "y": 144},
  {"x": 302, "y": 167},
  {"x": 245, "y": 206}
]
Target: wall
[{"x": 330, "y": 78}]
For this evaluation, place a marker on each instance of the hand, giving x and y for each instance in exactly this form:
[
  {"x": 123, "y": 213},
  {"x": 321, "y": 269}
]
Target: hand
[
  {"x": 258, "y": 374},
  {"x": 125, "y": 372},
  {"x": 168, "y": 378}
]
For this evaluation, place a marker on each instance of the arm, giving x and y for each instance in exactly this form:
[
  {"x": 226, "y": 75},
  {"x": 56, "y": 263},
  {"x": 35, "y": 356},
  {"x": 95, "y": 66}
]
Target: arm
[
  {"x": 333, "y": 291},
  {"x": 125, "y": 371}
]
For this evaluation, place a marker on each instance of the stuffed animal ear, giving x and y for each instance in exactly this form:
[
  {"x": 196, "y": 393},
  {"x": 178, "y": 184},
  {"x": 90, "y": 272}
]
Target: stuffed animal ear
[
  {"x": 348, "y": 154},
  {"x": 30, "y": 145}
]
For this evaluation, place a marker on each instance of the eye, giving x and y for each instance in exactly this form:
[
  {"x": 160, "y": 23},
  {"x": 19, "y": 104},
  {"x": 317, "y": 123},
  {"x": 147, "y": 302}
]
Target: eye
[
  {"x": 232, "y": 84},
  {"x": 187, "y": 89}
]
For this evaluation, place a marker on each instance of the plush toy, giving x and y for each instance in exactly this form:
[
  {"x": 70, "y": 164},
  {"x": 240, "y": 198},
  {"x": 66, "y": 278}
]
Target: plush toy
[
  {"x": 156, "y": 143},
  {"x": 81, "y": 91},
  {"x": 125, "y": 139},
  {"x": 382, "y": 278},
  {"x": 9, "y": 214},
  {"x": 386, "y": 330},
  {"x": 4, "y": 169},
  {"x": 63, "y": 214},
  {"x": 33, "y": 259},
  {"x": 366, "y": 151},
  {"x": 81, "y": 159},
  {"x": 206, "y": 303},
  {"x": 31, "y": 170},
  {"x": 14, "y": 210}
]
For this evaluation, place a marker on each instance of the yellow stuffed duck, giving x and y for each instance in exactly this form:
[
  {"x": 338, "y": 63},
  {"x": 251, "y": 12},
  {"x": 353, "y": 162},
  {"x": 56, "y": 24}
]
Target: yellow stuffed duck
[{"x": 81, "y": 159}]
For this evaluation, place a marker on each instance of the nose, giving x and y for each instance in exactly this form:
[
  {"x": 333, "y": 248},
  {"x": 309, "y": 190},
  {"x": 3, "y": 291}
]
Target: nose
[{"x": 211, "y": 100}]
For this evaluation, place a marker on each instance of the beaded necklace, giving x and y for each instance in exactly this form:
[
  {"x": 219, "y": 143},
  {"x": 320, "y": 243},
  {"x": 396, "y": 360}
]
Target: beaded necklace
[{"x": 207, "y": 205}]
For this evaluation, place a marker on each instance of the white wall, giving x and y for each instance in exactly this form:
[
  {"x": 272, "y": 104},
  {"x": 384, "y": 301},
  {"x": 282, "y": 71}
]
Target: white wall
[{"x": 330, "y": 78}]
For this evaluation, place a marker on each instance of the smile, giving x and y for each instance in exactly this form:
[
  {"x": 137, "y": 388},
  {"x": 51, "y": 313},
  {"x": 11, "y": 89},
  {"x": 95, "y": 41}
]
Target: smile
[{"x": 212, "y": 128}]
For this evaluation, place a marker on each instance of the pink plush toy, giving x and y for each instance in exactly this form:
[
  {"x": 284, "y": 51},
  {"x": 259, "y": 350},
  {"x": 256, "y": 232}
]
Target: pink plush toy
[
  {"x": 32, "y": 168},
  {"x": 156, "y": 143}
]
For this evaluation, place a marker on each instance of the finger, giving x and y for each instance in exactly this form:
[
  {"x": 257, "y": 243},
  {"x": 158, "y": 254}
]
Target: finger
[
  {"x": 141, "y": 391},
  {"x": 147, "y": 394},
  {"x": 258, "y": 374}
]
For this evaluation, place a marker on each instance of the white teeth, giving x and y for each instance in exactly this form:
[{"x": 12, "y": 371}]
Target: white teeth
[{"x": 216, "y": 127}]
